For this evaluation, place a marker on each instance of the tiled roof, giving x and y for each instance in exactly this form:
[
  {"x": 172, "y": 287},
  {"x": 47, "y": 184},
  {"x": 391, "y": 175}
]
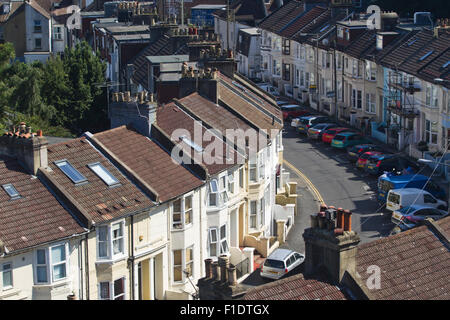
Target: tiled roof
[
  {"x": 240, "y": 103},
  {"x": 421, "y": 55},
  {"x": 357, "y": 47},
  {"x": 35, "y": 218},
  {"x": 316, "y": 25},
  {"x": 279, "y": 18},
  {"x": 150, "y": 162},
  {"x": 160, "y": 47},
  {"x": 414, "y": 265},
  {"x": 295, "y": 288},
  {"x": 102, "y": 202},
  {"x": 170, "y": 118},
  {"x": 295, "y": 26},
  {"x": 38, "y": 6},
  {"x": 14, "y": 6},
  {"x": 256, "y": 94}
]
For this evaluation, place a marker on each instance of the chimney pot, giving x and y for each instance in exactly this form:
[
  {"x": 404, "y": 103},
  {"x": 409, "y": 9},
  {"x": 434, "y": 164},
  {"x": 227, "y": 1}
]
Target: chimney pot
[
  {"x": 215, "y": 270},
  {"x": 347, "y": 220},
  {"x": 39, "y": 133},
  {"x": 208, "y": 268},
  {"x": 232, "y": 276},
  {"x": 223, "y": 264}
]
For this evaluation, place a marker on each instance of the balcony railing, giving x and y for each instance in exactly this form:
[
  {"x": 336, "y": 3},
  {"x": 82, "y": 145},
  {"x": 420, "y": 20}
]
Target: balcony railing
[{"x": 403, "y": 111}]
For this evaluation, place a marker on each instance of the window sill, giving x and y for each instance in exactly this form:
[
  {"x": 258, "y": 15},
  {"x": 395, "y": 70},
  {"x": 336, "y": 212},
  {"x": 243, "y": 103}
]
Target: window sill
[
  {"x": 55, "y": 284},
  {"x": 111, "y": 261},
  {"x": 187, "y": 227}
]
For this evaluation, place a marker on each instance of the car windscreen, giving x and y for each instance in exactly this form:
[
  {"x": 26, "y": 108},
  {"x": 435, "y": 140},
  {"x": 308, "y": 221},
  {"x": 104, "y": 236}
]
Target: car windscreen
[
  {"x": 339, "y": 138},
  {"x": 304, "y": 121},
  {"x": 320, "y": 126},
  {"x": 394, "y": 198},
  {"x": 274, "y": 263}
]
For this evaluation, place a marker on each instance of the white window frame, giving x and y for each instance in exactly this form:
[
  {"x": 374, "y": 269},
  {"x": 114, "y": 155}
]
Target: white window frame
[
  {"x": 110, "y": 255},
  {"x": 231, "y": 183},
  {"x": 183, "y": 212},
  {"x": 183, "y": 264},
  {"x": 211, "y": 241},
  {"x": 224, "y": 248},
  {"x": 253, "y": 215},
  {"x": 10, "y": 270},
  {"x": 429, "y": 133},
  {"x": 370, "y": 103},
  {"x": 112, "y": 295},
  {"x": 49, "y": 264},
  {"x": 253, "y": 167}
]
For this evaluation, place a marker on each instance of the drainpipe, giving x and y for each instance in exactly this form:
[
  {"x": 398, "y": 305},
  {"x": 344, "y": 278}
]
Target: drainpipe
[
  {"x": 201, "y": 233},
  {"x": 131, "y": 259},
  {"x": 80, "y": 264},
  {"x": 87, "y": 266}
]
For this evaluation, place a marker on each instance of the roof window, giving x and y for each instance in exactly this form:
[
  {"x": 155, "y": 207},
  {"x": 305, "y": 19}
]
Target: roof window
[
  {"x": 11, "y": 191},
  {"x": 192, "y": 144},
  {"x": 70, "y": 171},
  {"x": 426, "y": 55},
  {"x": 103, "y": 174}
]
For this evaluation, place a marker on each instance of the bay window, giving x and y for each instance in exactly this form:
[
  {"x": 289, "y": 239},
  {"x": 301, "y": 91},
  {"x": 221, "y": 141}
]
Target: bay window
[
  {"x": 431, "y": 132},
  {"x": 7, "y": 276},
  {"x": 112, "y": 290},
  {"x": 183, "y": 261},
  {"x": 370, "y": 102},
  {"x": 231, "y": 183},
  {"x": 253, "y": 214},
  {"x": 110, "y": 241},
  {"x": 371, "y": 71},
  {"x": 182, "y": 212},
  {"x": 253, "y": 169},
  {"x": 51, "y": 264}
]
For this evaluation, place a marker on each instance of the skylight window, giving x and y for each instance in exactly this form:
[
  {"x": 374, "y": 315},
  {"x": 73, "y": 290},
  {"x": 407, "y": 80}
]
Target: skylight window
[
  {"x": 70, "y": 171},
  {"x": 104, "y": 174},
  {"x": 11, "y": 191},
  {"x": 411, "y": 42},
  {"x": 324, "y": 28},
  {"x": 426, "y": 55},
  {"x": 192, "y": 144},
  {"x": 446, "y": 64}
]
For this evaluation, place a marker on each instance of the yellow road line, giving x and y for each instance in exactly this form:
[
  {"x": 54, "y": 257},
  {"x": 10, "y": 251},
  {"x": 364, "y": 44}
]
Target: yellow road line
[{"x": 308, "y": 182}]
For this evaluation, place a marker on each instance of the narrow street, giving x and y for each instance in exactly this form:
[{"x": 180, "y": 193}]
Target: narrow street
[{"x": 338, "y": 182}]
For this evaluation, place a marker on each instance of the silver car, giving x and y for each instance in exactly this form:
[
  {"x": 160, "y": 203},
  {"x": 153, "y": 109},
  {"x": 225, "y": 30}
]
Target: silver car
[{"x": 280, "y": 262}]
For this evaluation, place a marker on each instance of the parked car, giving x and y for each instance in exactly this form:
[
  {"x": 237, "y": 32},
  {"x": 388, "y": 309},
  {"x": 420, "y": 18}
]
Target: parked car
[
  {"x": 269, "y": 88},
  {"x": 395, "y": 163},
  {"x": 309, "y": 121},
  {"x": 329, "y": 134},
  {"x": 417, "y": 213},
  {"x": 316, "y": 131},
  {"x": 280, "y": 262},
  {"x": 389, "y": 181},
  {"x": 347, "y": 139},
  {"x": 362, "y": 161},
  {"x": 282, "y": 102},
  {"x": 400, "y": 198},
  {"x": 355, "y": 152},
  {"x": 291, "y": 111},
  {"x": 403, "y": 225}
]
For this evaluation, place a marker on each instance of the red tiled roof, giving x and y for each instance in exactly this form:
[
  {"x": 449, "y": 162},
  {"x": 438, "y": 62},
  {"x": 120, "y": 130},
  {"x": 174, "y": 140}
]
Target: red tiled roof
[
  {"x": 295, "y": 288},
  {"x": 150, "y": 162},
  {"x": 171, "y": 118},
  {"x": 279, "y": 18},
  {"x": 37, "y": 217},
  {"x": 239, "y": 102},
  {"x": 302, "y": 21},
  {"x": 414, "y": 265},
  {"x": 102, "y": 202}
]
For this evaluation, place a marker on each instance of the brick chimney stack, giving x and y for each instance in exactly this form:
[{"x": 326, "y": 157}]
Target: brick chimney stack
[
  {"x": 29, "y": 148},
  {"x": 139, "y": 110},
  {"x": 330, "y": 243}
]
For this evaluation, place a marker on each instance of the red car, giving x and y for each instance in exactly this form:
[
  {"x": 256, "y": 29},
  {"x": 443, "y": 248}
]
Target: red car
[
  {"x": 329, "y": 134},
  {"x": 291, "y": 111},
  {"x": 362, "y": 160}
]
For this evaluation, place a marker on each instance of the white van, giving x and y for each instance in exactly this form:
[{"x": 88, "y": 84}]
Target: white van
[{"x": 399, "y": 198}]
